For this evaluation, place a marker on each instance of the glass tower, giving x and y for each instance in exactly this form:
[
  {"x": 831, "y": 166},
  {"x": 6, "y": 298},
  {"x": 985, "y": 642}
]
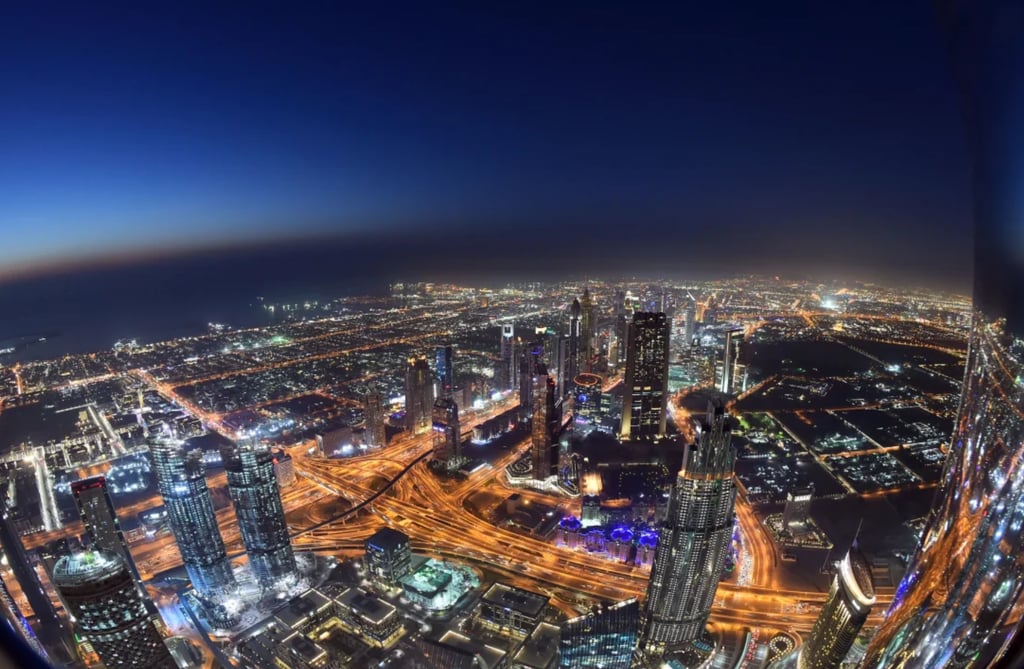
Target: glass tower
[
  {"x": 181, "y": 479},
  {"x": 257, "y": 499},
  {"x": 961, "y": 601},
  {"x": 446, "y": 432},
  {"x": 605, "y": 637},
  {"x": 419, "y": 395},
  {"x": 694, "y": 538},
  {"x": 847, "y": 608},
  {"x": 104, "y": 602},
  {"x": 646, "y": 385}
]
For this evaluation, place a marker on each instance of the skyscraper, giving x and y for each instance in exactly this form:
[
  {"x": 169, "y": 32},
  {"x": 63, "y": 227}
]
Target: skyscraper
[
  {"x": 506, "y": 376},
  {"x": 960, "y": 601},
  {"x": 586, "y": 331},
  {"x": 253, "y": 487},
  {"x": 732, "y": 338},
  {"x": 104, "y": 602},
  {"x": 848, "y": 605},
  {"x": 419, "y": 395},
  {"x": 575, "y": 339},
  {"x": 646, "y": 387},
  {"x": 375, "y": 435},
  {"x": 50, "y": 629},
  {"x": 181, "y": 479},
  {"x": 92, "y": 498},
  {"x": 690, "y": 322},
  {"x": 605, "y": 637},
  {"x": 445, "y": 371},
  {"x": 621, "y": 330},
  {"x": 531, "y": 363},
  {"x": 447, "y": 433},
  {"x": 693, "y": 539},
  {"x": 543, "y": 445}
]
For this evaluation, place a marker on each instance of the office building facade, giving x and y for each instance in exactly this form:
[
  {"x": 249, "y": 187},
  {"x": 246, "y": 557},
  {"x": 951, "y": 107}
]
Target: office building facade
[
  {"x": 645, "y": 394},
  {"x": 388, "y": 556},
  {"x": 419, "y": 395}
]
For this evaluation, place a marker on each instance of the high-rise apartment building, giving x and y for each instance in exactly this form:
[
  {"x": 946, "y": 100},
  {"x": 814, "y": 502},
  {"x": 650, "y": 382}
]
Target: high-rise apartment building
[
  {"x": 103, "y": 601},
  {"x": 419, "y": 395},
  {"x": 257, "y": 500},
  {"x": 645, "y": 397},
  {"x": 847, "y": 608},
  {"x": 181, "y": 479},
  {"x": 693, "y": 539},
  {"x": 99, "y": 518}
]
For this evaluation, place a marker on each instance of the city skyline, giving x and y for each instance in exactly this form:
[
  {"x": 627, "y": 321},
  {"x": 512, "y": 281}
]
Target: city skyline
[{"x": 513, "y": 337}]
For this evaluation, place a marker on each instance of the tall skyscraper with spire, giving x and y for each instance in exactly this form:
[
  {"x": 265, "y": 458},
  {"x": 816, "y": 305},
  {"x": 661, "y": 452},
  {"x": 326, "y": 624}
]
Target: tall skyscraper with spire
[
  {"x": 419, "y": 395},
  {"x": 252, "y": 485},
  {"x": 847, "y": 608},
  {"x": 693, "y": 539},
  {"x": 645, "y": 398},
  {"x": 181, "y": 479}
]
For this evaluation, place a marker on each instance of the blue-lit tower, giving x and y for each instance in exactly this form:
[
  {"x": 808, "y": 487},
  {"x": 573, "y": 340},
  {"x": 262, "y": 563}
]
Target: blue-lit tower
[
  {"x": 249, "y": 464},
  {"x": 181, "y": 479}
]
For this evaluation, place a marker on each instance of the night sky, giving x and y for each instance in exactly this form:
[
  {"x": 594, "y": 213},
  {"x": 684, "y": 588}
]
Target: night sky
[{"x": 813, "y": 137}]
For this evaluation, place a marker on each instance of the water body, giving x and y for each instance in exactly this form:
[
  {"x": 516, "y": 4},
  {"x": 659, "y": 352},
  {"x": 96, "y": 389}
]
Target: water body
[{"x": 89, "y": 310}]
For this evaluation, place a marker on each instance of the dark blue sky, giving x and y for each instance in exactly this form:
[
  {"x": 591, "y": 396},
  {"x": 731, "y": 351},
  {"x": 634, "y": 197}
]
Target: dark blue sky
[{"x": 767, "y": 135}]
